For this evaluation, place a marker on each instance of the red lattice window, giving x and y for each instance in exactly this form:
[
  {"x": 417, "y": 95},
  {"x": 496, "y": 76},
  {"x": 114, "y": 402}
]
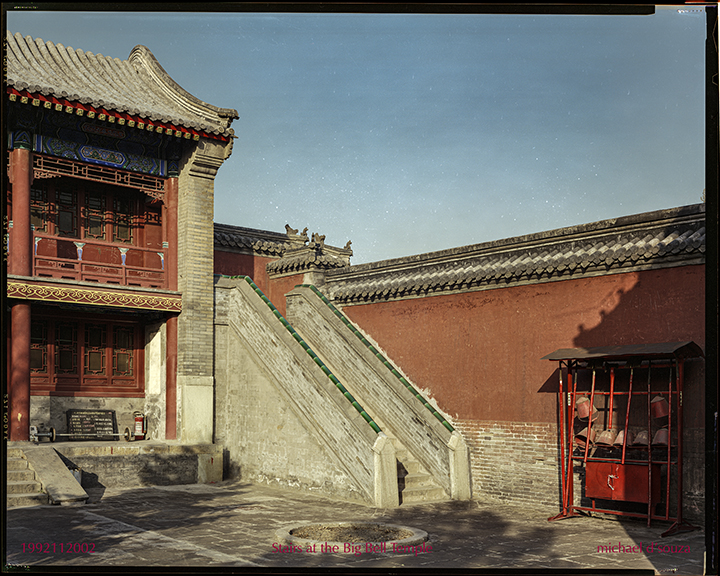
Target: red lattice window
[
  {"x": 122, "y": 352},
  {"x": 66, "y": 344},
  {"x": 95, "y": 350},
  {"x": 39, "y": 208},
  {"x": 95, "y": 216},
  {"x": 66, "y": 220},
  {"x": 90, "y": 211},
  {"x": 38, "y": 348},
  {"x": 101, "y": 356},
  {"x": 122, "y": 220}
]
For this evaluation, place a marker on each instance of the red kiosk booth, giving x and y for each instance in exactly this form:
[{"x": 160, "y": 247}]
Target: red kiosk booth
[{"x": 621, "y": 422}]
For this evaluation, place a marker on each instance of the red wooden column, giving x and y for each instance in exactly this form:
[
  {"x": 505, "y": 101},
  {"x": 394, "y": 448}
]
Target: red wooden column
[
  {"x": 171, "y": 378},
  {"x": 171, "y": 273},
  {"x": 21, "y": 258},
  {"x": 171, "y": 232}
]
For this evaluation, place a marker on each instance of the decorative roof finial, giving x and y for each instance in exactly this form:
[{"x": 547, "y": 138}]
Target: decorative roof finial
[
  {"x": 318, "y": 241},
  {"x": 294, "y": 236}
]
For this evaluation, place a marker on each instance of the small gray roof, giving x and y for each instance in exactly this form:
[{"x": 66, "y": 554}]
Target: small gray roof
[
  {"x": 293, "y": 252},
  {"x": 663, "y": 238},
  {"x": 308, "y": 259},
  {"x": 138, "y": 86},
  {"x": 659, "y": 350},
  {"x": 238, "y": 238}
]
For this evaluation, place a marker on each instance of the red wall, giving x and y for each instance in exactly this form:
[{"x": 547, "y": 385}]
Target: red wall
[
  {"x": 234, "y": 264},
  {"x": 281, "y": 286},
  {"x": 478, "y": 353}
]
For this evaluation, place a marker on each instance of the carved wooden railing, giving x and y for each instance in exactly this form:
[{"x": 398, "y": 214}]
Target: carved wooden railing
[{"x": 103, "y": 262}]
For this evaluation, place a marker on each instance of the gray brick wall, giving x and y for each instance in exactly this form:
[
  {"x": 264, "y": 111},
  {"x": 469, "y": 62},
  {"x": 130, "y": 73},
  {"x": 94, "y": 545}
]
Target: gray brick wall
[
  {"x": 195, "y": 281},
  {"x": 278, "y": 415},
  {"x": 517, "y": 463},
  {"x": 195, "y": 270},
  {"x": 263, "y": 438},
  {"x": 140, "y": 464}
]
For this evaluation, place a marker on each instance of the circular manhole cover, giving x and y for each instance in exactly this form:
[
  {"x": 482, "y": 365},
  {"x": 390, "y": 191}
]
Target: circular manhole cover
[{"x": 352, "y": 532}]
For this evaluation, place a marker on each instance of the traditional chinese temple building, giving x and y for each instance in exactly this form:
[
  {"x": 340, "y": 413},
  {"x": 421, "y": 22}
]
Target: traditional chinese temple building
[{"x": 109, "y": 205}]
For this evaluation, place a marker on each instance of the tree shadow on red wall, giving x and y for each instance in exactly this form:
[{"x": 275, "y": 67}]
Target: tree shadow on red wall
[{"x": 665, "y": 305}]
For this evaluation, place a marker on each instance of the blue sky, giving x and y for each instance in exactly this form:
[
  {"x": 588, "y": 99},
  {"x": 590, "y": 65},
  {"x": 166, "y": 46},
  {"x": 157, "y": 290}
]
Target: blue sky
[{"x": 413, "y": 133}]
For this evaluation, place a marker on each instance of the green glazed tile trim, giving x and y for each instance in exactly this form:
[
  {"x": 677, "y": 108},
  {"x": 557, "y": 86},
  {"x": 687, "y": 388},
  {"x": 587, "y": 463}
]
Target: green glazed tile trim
[
  {"x": 379, "y": 356},
  {"x": 307, "y": 349}
]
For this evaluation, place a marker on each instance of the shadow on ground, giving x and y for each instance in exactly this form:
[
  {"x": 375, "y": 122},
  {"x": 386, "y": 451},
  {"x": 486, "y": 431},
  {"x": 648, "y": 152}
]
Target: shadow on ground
[{"x": 235, "y": 524}]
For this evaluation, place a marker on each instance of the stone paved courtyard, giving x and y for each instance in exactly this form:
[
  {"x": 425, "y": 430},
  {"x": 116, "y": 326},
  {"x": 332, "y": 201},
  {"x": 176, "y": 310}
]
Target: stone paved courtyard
[{"x": 232, "y": 524}]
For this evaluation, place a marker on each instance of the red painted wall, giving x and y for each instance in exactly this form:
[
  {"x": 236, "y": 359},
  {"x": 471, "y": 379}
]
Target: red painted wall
[
  {"x": 234, "y": 264},
  {"x": 478, "y": 353},
  {"x": 281, "y": 286}
]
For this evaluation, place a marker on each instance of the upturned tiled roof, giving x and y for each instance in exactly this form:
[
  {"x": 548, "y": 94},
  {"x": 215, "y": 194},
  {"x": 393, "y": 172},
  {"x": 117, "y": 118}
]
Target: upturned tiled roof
[
  {"x": 309, "y": 254},
  {"x": 295, "y": 252},
  {"x": 242, "y": 239},
  {"x": 658, "y": 239},
  {"x": 306, "y": 260},
  {"x": 138, "y": 86}
]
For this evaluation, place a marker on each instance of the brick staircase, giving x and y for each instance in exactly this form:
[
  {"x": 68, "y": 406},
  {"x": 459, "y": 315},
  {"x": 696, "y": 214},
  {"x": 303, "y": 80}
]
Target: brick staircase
[
  {"x": 22, "y": 487},
  {"x": 414, "y": 482}
]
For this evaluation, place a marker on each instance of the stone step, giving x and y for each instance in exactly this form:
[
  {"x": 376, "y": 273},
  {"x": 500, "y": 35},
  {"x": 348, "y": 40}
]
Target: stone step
[
  {"x": 403, "y": 455},
  {"x": 408, "y": 467},
  {"x": 414, "y": 482},
  {"x": 24, "y": 500},
  {"x": 23, "y": 487},
  {"x": 14, "y": 453},
  {"x": 20, "y": 475},
  {"x": 422, "y": 494},
  {"x": 16, "y": 463},
  {"x": 417, "y": 481}
]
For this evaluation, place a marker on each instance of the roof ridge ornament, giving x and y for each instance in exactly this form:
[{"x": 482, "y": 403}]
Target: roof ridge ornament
[
  {"x": 294, "y": 237},
  {"x": 303, "y": 255},
  {"x": 318, "y": 242}
]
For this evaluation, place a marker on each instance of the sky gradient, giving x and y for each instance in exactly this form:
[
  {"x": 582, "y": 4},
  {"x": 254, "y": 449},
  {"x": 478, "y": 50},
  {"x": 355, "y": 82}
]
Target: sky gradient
[{"x": 413, "y": 133}]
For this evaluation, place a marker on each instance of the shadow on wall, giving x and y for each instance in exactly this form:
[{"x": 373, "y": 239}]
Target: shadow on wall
[
  {"x": 134, "y": 470},
  {"x": 666, "y": 305}
]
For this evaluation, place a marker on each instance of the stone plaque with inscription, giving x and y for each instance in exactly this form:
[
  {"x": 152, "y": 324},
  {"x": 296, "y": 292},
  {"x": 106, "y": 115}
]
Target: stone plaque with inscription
[{"x": 92, "y": 424}]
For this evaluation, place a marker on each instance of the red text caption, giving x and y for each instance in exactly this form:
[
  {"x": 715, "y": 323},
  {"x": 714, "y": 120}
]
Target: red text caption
[
  {"x": 61, "y": 547},
  {"x": 356, "y": 549}
]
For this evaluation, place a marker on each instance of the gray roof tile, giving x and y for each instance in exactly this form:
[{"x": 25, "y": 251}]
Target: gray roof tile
[
  {"x": 260, "y": 242},
  {"x": 138, "y": 86},
  {"x": 661, "y": 238}
]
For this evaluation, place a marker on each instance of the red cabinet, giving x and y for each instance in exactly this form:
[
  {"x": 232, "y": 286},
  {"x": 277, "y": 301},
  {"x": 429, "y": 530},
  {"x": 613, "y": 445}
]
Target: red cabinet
[{"x": 623, "y": 482}]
